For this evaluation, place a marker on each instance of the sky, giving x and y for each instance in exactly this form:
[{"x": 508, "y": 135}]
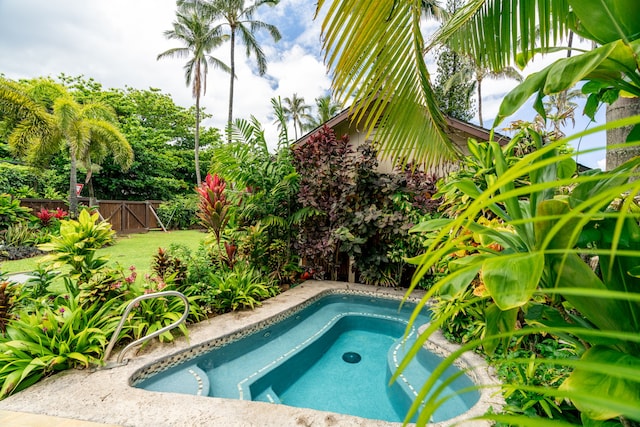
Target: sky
[{"x": 116, "y": 42}]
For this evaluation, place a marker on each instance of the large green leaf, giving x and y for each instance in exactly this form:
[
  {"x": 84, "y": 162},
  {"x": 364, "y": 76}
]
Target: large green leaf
[
  {"x": 572, "y": 272},
  {"x": 605, "y": 21},
  {"x": 597, "y": 383},
  {"x": 498, "y": 322},
  {"x": 564, "y": 236},
  {"x": 565, "y": 73},
  {"x": 518, "y": 96},
  {"x": 512, "y": 279}
]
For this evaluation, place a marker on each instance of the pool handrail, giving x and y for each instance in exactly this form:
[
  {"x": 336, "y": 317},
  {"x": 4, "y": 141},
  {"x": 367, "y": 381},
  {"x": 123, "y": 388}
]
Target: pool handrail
[{"x": 130, "y": 306}]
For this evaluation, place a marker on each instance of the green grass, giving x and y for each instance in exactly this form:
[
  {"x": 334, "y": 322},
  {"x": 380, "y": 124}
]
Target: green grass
[{"x": 131, "y": 249}]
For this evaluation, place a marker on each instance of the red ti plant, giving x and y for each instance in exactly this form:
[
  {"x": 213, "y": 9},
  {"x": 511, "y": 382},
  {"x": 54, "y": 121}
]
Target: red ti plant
[
  {"x": 48, "y": 218},
  {"x": 213, "y": 206},
  {"x": 60, "y": 214},
  {"x": 44, "y": 216}
]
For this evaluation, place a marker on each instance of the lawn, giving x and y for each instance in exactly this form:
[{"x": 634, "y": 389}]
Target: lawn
[{"x": 130, "y": 249}]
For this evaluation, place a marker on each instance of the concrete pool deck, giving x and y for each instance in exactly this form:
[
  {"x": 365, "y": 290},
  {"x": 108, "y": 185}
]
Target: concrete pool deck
[{"x": 105, "y": 396}]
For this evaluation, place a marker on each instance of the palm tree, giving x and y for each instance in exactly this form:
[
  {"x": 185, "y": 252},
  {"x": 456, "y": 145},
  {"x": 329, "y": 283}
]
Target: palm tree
[
  {"x": 49, "y": 120},
  {"x": 296, "y": 110},
  {"x": 326, "y": 109},
  {"x": 198, "y": 35},
  {"x": 241, "y": 24},
  {"x": 479, "y": 74},
  {"x": 432, "y": 9}
]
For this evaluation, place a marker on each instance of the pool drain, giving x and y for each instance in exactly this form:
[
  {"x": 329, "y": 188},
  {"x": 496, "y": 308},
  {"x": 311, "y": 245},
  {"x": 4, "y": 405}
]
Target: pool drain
[{"x": 351, "y": 357}]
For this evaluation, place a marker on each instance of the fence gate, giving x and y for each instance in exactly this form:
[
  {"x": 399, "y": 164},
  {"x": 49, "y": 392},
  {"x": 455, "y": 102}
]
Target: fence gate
[{"x": 125, "y": 216}]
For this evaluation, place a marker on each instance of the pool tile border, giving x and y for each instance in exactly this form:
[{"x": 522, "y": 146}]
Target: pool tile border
[{"x": 197, "y": 350}]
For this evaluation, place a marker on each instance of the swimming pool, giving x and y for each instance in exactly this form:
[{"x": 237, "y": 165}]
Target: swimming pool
[{"x": 335, "y": 352}]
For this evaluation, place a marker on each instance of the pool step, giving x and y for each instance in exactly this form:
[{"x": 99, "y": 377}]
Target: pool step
[
  {"x": 267, "y": 396},
  {"x": 186, "y": 380},
  {"x": 416, "y": 374}
]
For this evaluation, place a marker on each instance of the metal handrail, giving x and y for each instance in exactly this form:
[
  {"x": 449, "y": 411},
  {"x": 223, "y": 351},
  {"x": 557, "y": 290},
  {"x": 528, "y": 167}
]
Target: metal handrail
[{"x": 114, "y": 337}]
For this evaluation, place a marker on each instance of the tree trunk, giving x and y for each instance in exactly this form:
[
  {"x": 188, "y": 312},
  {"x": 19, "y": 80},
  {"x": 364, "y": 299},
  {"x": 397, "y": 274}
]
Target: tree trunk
[
  {"x": 233, "y": 76},
  {"x": 73, "y": 181},
  {"x": 196, "y": 147},
  {"x": 88, "y": 182},
  {"x": 479, "y": 83},
  {"x": 623, "y": 107}
]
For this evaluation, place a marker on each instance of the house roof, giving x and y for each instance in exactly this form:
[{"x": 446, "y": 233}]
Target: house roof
[{"x": 458, "y": 130}]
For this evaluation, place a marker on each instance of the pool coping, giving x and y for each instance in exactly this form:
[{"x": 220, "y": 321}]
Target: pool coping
[{"x": 105, "y": 396}]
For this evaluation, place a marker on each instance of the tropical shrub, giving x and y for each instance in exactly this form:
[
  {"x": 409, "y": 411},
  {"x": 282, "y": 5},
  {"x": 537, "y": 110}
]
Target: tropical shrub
[
  {"x": 50, "y": 219},
  {"x": 538, "y": 283},
  {"x": 105, "y": 284},
  {"x": 11, "y": 212},
  {"x": 358, "y": 212},
  {"x": 37, "y": 344},
  {"x": 33, "y": 293},
  {"x": 213, "y": 206},
  {"x": 263, "y": 186},
  {"x": 243, "y": 287},
  {"x": 76, "y": 245},
  {"x": 151, "y": 315},
  {"x": 6, "y": 297},
  {"x": 179, "y": 213},
  {"x": 325, "y": 166}
]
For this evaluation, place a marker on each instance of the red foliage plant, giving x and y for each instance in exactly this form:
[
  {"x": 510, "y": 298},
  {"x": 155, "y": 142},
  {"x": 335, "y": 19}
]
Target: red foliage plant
[
  {"x": 213, "y": 206},
  {"x": 46, "y": 216}
]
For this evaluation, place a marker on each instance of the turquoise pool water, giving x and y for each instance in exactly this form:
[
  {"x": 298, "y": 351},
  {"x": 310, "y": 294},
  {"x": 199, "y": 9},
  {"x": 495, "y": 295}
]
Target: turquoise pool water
[{"x": 337, "y": 354}]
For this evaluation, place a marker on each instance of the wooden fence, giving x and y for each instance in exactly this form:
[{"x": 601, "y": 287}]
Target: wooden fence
[{"x": 124, "y": 216}]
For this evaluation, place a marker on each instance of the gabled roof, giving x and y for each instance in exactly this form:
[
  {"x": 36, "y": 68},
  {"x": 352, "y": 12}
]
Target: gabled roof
[{"x": 458, "y": 130}]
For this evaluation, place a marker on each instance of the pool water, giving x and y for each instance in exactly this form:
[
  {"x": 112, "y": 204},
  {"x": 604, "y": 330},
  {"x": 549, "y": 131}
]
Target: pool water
[
  {"x": 337, "y": 354},
  {"x": 332, "y": 384}
]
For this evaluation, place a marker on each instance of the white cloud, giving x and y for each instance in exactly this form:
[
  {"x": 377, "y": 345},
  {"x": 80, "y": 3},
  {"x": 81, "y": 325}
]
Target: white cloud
[{"x": 602, "y": 164}]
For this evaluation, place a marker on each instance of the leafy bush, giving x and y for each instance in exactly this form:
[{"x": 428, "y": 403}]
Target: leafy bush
[
  {"x": 76, "y": 245},
  {"x": 50, "y": 219},
  {"x": 538, "y": 283},
  {"x": 325, "y": 165},
  {"x": 105, "y": 284},
  {"x": 6, "y": 296},
  {"x": 179, "y": 213},
  {"x": 264, "y": 186},
  {"x": 169, "y": 267},
  {"x": 27, "y": 181},
  {"x": 358, "y": 212},
  {"x": 240, "y": 288},
  {"x": 37, "y": 344},
  {"x": 11, "y": 212},
  {"x": 19, "y": 234}
]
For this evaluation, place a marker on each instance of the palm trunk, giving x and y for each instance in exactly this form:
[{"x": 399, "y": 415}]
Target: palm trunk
[
  {"x": 73, "y": 181},
  {"x": 233, "y": 75},
  {"x": 479, "y": 83},
  {"x": 196, "y": 147},
  {"x": 623, "y": 107},
  {"x": 88, "y": 182}
]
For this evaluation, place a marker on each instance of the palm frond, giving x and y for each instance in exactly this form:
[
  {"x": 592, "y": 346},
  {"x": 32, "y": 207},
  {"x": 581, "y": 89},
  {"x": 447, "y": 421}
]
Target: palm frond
[
  {"x": 495, "y": 31},
  {"x": 375, "y": 54}
]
